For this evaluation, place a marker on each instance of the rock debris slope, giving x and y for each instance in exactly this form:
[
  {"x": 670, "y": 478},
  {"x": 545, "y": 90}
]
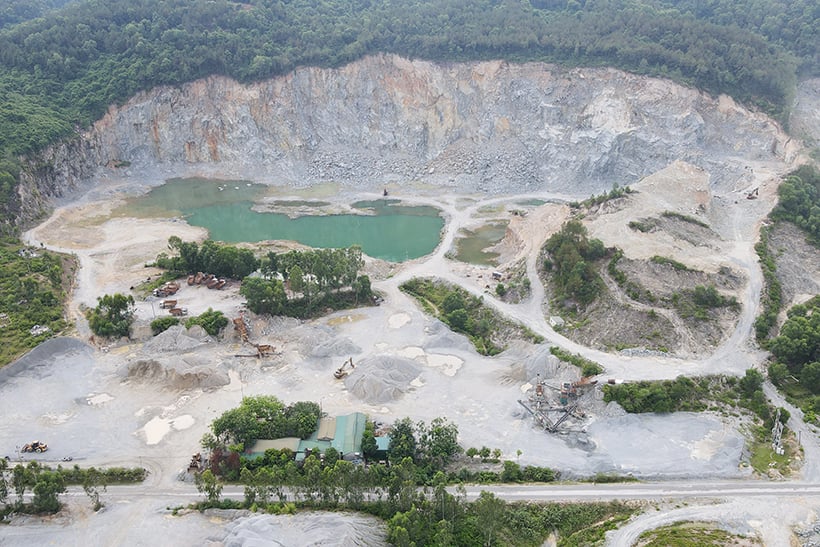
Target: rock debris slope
[{"x": 493, "y": 127}]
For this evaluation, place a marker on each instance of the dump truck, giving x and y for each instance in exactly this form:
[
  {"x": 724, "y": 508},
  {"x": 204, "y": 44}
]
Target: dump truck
[
  {"x": 168, "y": 304},
  {"x": 35, "y": 446},
  {"x": 178, "y": 312}
]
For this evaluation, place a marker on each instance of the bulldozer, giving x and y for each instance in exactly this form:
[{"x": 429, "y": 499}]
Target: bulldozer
[
  {"x": 196, "y": 463},
  {"x": 346, "y": 368},
  {"x": 35, "y": 446}
]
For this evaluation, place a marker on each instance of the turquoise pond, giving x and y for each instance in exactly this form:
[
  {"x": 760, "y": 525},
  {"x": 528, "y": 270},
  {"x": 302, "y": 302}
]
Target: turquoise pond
[{"x": 388, "y": 230}]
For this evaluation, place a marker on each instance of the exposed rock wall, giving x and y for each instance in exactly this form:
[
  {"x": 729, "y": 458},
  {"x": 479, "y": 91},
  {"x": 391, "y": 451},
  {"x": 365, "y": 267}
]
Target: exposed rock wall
[{"x": 490, "y": 126}]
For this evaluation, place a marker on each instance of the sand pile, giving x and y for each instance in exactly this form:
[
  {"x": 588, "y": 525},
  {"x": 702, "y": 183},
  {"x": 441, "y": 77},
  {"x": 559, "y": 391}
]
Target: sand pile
[
  {"x": 306, "y": 529},
  {"x": 177, "y": 339},
  {"x": 382, "y": 378},
  {"x": 186, "y": 372}
]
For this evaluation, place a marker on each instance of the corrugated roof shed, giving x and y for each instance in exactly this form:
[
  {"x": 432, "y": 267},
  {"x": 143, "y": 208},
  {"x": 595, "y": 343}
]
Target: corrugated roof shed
[
  {"x": 383, "y": 443},
  {"x": 327, "y": 429},
  {"x": 261, "y": 445},
  {"x": 349, "y": 431}
]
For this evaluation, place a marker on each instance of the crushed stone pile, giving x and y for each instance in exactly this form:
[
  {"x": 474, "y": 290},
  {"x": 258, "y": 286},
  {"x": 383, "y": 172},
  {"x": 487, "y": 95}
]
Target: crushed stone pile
[
  {"x": 336, "y": 348},
  {"x": 177, "y": 339},
  {"x": 308, "y": 337},
  {"x": 440, "y": 336},
  {"x": 178, "y": 373},
  {"x": 382, "y": 378},
  {"x": 316, "y": 528}
]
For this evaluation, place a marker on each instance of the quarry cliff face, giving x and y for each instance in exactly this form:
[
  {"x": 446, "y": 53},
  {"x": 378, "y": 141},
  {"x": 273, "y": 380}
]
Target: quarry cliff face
[{"x": 492, "y": 127}]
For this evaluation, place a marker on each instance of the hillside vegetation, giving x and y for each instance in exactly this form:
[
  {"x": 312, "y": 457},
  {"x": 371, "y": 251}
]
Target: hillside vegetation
[{"x": 61, "y": 71}]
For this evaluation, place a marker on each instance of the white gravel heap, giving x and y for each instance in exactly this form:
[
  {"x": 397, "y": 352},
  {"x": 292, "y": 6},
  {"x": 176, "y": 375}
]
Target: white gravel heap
[{"x": 382, "y": 378}]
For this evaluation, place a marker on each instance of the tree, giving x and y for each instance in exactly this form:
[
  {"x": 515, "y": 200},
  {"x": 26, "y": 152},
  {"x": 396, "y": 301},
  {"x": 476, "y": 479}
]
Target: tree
[
  {"x": 438, "y": 444},
  {"x": 48, "y": 485},
  {"x": 331, "y": 457},
  {"x": 490, "y": 511},
  {"x": 4, "y": 487},
  {"x": 264, "y": 295},
  {"x": 751, "y": 382},
  {"x": 112, "y": 316},
  {"x": 402, "y": 441},
  {"x": 92, "y": 479},
  {"x": 810, "y": 377},
  {"x": 212, "y": 321},
  {"x": 778, "y": 372},
  {"x": 369, "y": 446},
  {"x": 161, "y": 324},
  {"x": 207, "y": 483}
]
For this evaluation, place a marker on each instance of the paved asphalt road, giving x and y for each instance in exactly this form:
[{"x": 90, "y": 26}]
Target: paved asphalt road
[{"x": 184, "y": 493}]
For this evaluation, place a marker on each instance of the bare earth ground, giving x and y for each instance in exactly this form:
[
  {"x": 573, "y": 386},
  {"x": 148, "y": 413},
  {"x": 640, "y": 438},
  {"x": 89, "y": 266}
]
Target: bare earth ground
[{"x": 148, "y": 403}]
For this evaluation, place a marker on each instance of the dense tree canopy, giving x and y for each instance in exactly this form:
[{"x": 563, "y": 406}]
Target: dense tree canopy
[
  {"x": 64, "y": 69},
  {"x": 265, "y": 417},
  {"x": 314, "y": 279},
  {"x": 571, "y": 258},
  {"x": 210, "y": 257},
  {"x": 799, "y": 201},
  {"x": 112, "y": 316},
  {"x": 31, "y": 295}
]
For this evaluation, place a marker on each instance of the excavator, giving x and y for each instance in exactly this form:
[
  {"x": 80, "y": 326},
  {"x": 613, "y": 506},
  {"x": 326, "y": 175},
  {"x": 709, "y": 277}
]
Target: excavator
[{"x": 346, "y": 368}]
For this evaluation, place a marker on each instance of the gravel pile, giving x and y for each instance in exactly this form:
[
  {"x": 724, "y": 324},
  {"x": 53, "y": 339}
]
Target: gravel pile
[
  {"x": 325, "y": 529},
  {"x": 176, "y": 339},
  {"x": 382, "y": 378},
  {"x": 336, "y": 348},
  {"x": 178, "y": 373}
]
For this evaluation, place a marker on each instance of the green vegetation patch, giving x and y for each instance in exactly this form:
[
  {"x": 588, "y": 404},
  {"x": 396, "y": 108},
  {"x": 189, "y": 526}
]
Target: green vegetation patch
[
  {"x": 795, "y": 367},
  {"x": 684, "y": 218},
  {"x": 643, "y": 225},
  {"x": 693, "y": 534},
  {"x": 772, "y": 297},
  {"x": 799, "y": 201},
  {"x": 615, "y": 193},
  {"x": 697, "y": 303},
  {"x": 306, "y": 283},
  {"x": 33, "y": 288},
  {"x": 467, "y": 314},
  {"x": 569, "y": 261},
  {"x": 632, "y": 289},
  {"x": 588, "y": 367},
  {"x": 666, "y": 261}
]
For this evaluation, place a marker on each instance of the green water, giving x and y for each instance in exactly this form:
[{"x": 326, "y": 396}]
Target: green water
[
  {"x": 391, "y": 232},
  {"x": 471, "y": 247}
]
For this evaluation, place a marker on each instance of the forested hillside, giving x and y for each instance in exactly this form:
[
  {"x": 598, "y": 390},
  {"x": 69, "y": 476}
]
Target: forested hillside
[{"x": 61, "y": 71}]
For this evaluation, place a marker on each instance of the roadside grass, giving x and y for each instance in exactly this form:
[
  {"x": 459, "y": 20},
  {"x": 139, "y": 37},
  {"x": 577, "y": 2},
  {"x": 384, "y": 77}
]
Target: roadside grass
[
  {"x": 763, "y": 457},
  {"x": 798, "y": 395},
  {"x": 693, "y": 534},
  {"x": 587, "y": 366}
]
